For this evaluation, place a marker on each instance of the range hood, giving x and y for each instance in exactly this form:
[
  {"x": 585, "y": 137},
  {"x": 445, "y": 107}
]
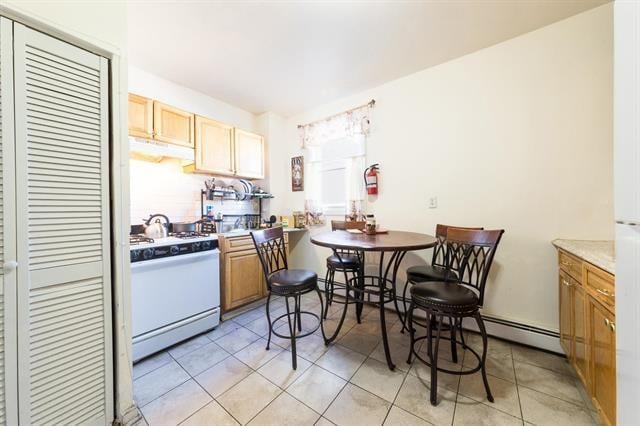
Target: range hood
[{"x": 149, "y": 150}]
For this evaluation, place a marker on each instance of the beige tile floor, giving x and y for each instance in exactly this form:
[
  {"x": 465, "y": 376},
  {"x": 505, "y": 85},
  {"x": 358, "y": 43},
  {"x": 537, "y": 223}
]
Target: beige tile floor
[{"x": 226, "y": 377}]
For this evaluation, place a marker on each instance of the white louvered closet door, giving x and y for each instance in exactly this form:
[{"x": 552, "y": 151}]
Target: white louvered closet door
[
  {"x": 8, "y": 272},
  {"x": 64, "y": 302}
]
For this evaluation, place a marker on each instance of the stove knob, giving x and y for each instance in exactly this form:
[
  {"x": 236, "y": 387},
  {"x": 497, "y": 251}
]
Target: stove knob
[
  {"x": 147, "y": 253},
  {"x": 174, "y": 250},
  {"x": 206, "y": 245},
  {"x": 196, "y": 246},
  {"x": 135, "y": 255}
]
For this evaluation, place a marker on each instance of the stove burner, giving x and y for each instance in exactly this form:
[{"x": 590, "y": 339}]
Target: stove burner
[
  {"x": 188, "y": 235},
  {"x": 134, "y": 240}
]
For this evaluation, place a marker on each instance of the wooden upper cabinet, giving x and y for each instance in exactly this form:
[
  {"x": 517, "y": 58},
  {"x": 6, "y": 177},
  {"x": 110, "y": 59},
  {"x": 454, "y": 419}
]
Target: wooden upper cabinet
[
  {"x": 173, "y": 125},
  {"x": 214, "y": 147},
  {"x": 249, "y": 154},
  {"x": 140, "y": 116}
]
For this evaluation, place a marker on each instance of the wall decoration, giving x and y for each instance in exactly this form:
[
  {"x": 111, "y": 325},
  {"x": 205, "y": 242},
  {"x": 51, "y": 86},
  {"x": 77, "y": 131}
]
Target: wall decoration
[{"x": 297, "y": 174}]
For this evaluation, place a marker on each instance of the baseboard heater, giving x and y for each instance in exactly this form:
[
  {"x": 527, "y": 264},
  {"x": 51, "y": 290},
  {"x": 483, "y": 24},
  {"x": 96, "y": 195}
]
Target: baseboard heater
[{"x": 512, "y": 331}]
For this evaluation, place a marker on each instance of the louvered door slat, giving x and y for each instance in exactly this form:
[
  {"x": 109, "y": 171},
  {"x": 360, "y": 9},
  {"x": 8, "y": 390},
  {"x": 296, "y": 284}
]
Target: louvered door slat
[
  {"x": 8, "y": 280},
  {"x": 61, "y": 101}
]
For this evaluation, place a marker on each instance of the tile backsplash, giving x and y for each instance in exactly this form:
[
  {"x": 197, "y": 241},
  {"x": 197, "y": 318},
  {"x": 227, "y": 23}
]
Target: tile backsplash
[{"x": 164, "y": 188}]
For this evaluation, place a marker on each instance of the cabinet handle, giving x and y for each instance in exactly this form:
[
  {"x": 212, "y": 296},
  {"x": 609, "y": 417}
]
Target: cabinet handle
[
  {"x": 565, "y": 263},
  {"x": 565, "y": 282},
  {"x": 613, "y": 326},
  {"x": 607, "y": 322},
  {"x": 603, "y": 292}
]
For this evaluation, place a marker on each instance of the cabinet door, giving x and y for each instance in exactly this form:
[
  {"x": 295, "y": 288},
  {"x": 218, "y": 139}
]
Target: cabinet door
[
  {"x": 63, "y": 229},
  {"x": 8, "y": 342},
  {"x": 173, "y": 125},
  {"x": 580, "y": 333},
  {"x": 603, "y": 359},
  {"x": 243, "y": 278},
  {"x": 214, "y": 147},
  {"x": 249, "y": 155},
  {"x": 566, "y": 322},
  {"x": 140, "y": 116}
]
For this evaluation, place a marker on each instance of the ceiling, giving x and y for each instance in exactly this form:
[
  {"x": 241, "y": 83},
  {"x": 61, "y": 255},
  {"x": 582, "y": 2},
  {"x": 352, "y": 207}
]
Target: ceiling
[{"x": 288, "y": 56}]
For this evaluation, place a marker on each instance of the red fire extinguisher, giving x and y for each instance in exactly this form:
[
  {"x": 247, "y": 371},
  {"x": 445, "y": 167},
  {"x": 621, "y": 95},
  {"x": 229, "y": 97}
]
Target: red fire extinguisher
[{"x": 371, "y": 179}]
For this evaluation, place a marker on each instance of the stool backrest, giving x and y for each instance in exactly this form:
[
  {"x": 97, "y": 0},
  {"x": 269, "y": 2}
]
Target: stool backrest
[
  {"x": 473, "y": 251},
  {"x": 343, "y": 225},
  {"x": 271, "y": 250},
  {"x": 440, "y": 250}
]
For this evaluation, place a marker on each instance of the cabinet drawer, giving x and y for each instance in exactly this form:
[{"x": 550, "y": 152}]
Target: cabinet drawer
[
  {"x": 242, "y": 243},
  {"x": 600, "y": 284},
  {"x": 571, "y": 265}
]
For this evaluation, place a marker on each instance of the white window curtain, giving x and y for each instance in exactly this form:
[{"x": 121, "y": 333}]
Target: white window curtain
[{"x": 334, "y": 151}]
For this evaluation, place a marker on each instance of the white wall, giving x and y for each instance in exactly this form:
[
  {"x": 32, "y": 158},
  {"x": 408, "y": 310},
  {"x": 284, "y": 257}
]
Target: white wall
[
  {"x": 516, "y": 136},
  {"x": 163, "y": 187}
]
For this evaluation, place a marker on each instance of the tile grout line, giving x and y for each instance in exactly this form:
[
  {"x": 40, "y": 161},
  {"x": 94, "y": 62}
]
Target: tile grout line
[{"x": 515, "y": 375}]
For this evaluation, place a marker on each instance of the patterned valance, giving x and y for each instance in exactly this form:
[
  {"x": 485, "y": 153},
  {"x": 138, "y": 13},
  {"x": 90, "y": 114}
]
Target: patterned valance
[{"x": 356, "y": 121}]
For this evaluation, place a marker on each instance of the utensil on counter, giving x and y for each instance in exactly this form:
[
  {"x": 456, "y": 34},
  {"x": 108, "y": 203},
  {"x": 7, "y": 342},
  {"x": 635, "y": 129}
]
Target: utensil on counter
[{"x": 156, "y": 229}]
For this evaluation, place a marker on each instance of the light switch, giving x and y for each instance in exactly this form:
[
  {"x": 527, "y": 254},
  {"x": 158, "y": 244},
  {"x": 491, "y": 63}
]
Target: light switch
[{"x": 433, "y": 202}]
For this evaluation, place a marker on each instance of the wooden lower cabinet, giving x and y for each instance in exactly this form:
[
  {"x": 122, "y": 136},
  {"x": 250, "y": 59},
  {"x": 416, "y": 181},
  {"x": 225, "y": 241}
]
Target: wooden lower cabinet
[
  {"x": 580, "y": 337},
  {"x": 587, "y": 330},
  {"x": 602, "y": 344},
  {"x": 242, "y": 278},
  {"x": 566, "y": 323}
]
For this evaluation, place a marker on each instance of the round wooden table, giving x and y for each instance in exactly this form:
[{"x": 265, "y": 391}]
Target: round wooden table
[{"x": 398, "y": 243}]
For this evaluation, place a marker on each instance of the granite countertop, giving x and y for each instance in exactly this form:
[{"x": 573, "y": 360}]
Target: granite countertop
[
  {"x": 245, "y": 232},
  {"x": 598, "y": 253}
]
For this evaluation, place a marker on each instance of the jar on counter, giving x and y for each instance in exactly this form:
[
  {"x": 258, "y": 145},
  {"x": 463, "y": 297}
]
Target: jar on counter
[{"x": 370, "y": 224}]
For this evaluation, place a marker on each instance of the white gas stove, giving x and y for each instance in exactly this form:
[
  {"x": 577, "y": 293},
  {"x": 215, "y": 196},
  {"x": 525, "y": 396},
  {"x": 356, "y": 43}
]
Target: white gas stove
[{"x": 175, "y": 289}]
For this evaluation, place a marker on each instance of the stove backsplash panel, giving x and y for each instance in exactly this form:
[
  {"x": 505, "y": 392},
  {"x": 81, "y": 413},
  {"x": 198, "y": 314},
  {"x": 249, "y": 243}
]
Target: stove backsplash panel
[{"x": 164, "y": 188}]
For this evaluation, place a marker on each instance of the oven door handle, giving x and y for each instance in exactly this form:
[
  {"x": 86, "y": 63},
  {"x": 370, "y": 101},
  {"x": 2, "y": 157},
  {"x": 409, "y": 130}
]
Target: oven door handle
[{"x": 162, "y": 261}]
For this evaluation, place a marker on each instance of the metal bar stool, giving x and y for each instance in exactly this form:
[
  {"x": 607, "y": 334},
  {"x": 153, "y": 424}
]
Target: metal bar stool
[
  {"x": 436, "y": 271},
  {"x": 458, "y": 299},
  {"x": 288, "y": 283},
  {"x": 348, "y": 262}
]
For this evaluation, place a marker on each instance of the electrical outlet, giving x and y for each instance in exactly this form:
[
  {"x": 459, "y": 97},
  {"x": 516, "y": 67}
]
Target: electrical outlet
[{"x": 433, "y": 202}]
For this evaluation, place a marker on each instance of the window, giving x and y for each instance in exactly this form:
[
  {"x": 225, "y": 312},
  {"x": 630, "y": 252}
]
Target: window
[{"x": 335, "y": 173}]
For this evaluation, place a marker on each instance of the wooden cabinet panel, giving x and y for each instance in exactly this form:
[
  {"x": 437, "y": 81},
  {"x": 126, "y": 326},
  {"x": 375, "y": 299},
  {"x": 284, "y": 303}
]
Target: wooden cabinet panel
[
  {"x": 214, "y": 147},
  {"x": 173, "y": 125},
  {"x": 571, "y": 265},
  {"x": 243, "y": 277},
  {"x": 140, "y": 116},
  {"x": 579, "y": 316},
  {"x": 603, "y": 359},
  {"x": 249, "y": 155},
  {"x": 566, "y": 322},
  {"x": 601, "y": 284}
]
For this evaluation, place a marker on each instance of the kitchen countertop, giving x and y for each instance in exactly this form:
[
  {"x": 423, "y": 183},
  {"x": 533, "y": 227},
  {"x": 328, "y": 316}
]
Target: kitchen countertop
[
  {"x": 598, "y": 253},
  {"x": 246, "y": 232}
]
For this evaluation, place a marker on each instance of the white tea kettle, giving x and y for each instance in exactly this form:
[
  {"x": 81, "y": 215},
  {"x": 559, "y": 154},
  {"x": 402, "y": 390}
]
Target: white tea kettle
[{"x": 156, "y": 229}]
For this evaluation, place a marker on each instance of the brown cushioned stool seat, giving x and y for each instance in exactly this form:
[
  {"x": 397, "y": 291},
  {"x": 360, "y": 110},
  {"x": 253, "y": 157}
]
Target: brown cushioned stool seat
[{"x": 287, "y": 281}]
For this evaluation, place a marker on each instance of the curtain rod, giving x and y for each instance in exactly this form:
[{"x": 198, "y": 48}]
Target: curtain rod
[{"x": 370, "y": 104}]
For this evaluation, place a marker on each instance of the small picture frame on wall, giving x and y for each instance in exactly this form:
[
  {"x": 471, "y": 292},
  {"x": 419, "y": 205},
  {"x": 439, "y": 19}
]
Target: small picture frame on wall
[{"x": 297, "y": 173}]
